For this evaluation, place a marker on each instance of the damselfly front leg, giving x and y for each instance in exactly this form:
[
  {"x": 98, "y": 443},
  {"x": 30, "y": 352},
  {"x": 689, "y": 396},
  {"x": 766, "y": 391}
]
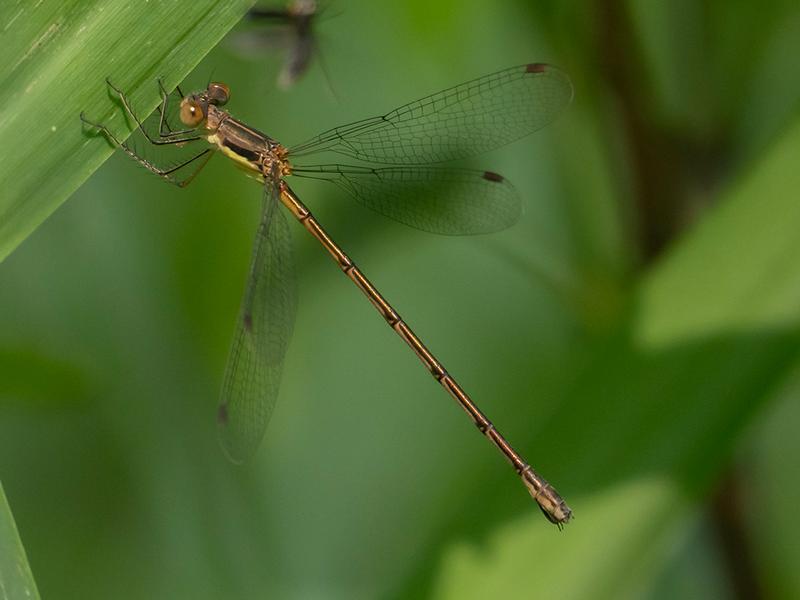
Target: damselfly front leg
[
  {"x": 163, "y": 123},
  {"x": 171, "y": 171}
]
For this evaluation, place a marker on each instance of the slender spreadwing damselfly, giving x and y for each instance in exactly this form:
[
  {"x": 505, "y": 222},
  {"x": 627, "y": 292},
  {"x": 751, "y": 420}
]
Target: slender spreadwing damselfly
[{"x": 456, "y": 123}]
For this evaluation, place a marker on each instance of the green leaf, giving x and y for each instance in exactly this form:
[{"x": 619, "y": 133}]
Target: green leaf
[
  {"x": 16, "y": 579},
  {"x": 517, "y": 557},
  {"x": 712, "y": 334},
  {"x": 776, "y": 492},
  {"x": 56, "y": 57}
]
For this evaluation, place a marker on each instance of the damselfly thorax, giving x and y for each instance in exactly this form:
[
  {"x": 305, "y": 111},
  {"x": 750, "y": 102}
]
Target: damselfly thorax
[{"x": 247, "y": 147}]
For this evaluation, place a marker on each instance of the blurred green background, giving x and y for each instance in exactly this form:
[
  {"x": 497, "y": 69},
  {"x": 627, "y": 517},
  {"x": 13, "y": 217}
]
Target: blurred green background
[{"x": 635, "y": 335}]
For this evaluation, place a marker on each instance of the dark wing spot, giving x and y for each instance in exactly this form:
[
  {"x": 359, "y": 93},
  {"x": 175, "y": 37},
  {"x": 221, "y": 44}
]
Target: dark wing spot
[
  {"x": 222, "y": 414},
  {"x": 536, "y": 68},
  {"x": 491, "y": 176}
]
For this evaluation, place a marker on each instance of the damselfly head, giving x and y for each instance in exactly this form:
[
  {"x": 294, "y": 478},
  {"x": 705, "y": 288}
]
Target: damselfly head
[
  {"x": 218, "y": 93},
  {"x": 194, "y": 107}
]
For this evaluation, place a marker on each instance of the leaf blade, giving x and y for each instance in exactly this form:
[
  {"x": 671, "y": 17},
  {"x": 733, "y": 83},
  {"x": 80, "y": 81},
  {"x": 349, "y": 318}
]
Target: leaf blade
[
  {"x": 59, "y": 54},
  {"x": 16, "y": 579}
]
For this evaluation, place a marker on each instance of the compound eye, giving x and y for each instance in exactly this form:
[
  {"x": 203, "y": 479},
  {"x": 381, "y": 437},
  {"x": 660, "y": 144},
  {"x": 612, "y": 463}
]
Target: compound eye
[
  {"x": 192, "y": 113},
  {"x": 218, "y": 93}
]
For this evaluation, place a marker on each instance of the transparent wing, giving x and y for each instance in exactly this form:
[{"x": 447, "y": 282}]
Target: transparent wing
[
  {"x": 438, "y": 200},
  {"x": 462, "y": 121},
  {"x": 263, "y": 329}
]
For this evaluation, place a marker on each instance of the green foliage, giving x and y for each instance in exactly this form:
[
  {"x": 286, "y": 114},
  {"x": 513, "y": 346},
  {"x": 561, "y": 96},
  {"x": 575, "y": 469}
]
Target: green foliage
[
  {"x": 635, "y": 386},
  {"x": 712, "y": 330}
]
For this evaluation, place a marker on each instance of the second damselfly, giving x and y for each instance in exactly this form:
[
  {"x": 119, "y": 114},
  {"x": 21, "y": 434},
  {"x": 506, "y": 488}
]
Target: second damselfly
[{"x": 456, "y": 123}]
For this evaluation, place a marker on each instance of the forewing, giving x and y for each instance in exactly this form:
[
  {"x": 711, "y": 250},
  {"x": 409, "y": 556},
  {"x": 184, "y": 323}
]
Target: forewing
[
  {"x": 263, "y": 330},
  {"x": 459, "y": 122}
]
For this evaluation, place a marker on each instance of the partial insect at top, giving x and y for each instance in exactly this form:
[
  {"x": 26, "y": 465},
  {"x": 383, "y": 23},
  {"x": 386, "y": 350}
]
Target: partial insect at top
[{"x": 287, "y": 29}]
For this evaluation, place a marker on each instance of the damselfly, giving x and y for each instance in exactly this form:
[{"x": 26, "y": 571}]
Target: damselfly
[{"x": 456, "y": 123}]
